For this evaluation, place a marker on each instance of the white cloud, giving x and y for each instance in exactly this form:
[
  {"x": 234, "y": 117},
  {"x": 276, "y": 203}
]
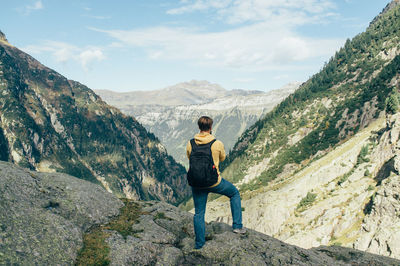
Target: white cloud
[
  {"x": 89, "y": 55},
  {"x": 239, "y": 11},
  {"x": 254, "y": 47},
  {"x": 261, "y": 34},
  {"x": 63, "y": 52},
  {"x": 26, "y": 10},
  {"x": 36, "y": 6}
]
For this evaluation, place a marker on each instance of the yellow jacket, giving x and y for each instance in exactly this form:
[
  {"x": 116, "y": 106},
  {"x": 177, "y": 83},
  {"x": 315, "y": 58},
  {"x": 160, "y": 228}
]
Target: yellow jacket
[{"x": 217, "y": 150}]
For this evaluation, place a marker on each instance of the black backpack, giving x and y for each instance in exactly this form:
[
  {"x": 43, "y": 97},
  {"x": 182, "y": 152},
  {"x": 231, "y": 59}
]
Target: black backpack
[{"x": 202, "y": 171}]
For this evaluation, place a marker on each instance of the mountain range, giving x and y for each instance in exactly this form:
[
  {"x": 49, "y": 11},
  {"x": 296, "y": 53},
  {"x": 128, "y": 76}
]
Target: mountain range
[
  {"x": 52, "y": 124},
  {"x": 172, "y": 113},
  {"x": 322, "y": 168}
]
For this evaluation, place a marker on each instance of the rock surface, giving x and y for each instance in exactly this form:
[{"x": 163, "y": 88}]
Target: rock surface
[
  {"x": 43, "y": 218},
  {"x": 43, "y": 215},
  {"x": 380, "y": 231}
]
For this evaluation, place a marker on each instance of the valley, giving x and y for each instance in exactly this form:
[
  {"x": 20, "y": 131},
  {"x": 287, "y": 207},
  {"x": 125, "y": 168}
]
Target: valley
[{"x": 172, "y": 113}]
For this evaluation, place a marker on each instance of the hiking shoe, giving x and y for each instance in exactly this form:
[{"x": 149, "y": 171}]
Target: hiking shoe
[{"x": 240, "y": 231}]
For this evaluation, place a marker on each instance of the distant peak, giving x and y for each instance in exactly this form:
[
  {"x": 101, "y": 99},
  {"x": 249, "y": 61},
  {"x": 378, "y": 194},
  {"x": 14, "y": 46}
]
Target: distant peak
[
  {"x": 390, "y": 6},
  {"x": 194, "y": 82},
  {"x": 3, "y": 38}
]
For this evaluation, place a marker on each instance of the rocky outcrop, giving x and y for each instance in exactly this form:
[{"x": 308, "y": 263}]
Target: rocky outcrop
[
  {"x": 3, "y": 37},
  {"x": 380, "y": 230},
  {"x": 44, "y": 217},
  {"x": 166, "y": 238}
]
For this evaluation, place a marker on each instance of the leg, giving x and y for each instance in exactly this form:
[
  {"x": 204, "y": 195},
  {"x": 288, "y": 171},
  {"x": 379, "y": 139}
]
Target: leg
[
  {"x": 228, "y": 189},
  {"x": 200, "y": 201}
]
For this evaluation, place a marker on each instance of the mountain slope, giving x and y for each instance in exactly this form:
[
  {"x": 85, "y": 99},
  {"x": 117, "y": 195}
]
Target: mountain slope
[
  {"x": 233, "y": 111},
  {"x": 345, "y": 96},
  {"x": 321, "y": 168},
  {"x": 50, "y": 123}
]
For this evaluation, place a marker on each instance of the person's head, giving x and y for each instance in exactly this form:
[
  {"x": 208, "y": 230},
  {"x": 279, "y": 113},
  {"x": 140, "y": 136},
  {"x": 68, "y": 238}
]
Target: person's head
[{"x": 205, "y": 123}]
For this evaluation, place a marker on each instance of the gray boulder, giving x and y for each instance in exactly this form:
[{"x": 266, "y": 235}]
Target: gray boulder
[{"x": 43, "y": 215}]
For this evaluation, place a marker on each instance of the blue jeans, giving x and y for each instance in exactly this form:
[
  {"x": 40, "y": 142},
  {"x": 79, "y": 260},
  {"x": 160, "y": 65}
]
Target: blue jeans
[{"x": 200, "y": 200}]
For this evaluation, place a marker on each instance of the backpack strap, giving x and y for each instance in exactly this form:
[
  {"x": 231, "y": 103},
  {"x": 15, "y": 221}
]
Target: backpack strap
[
  {"x": 193, "y": 143},
  {"x": 212, "y": 142}
]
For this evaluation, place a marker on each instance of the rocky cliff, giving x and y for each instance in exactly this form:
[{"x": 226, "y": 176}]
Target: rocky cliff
[
  {"x": 322, "y": 167},
  {"x": 172, "y": 113},
  {"x": 50, "y": 123},
  {"x": 349, "y": 197},
  {"x": 51, "y": 218},
  {"x": 3, "y": 37}
]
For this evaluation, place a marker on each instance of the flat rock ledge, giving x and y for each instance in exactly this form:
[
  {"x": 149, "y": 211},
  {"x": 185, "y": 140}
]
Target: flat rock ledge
[{"x": 44, "y": 217}]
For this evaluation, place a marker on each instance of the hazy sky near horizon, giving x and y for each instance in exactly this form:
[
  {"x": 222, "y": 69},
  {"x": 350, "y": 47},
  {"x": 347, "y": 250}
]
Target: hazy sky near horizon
[{"x": 126, "y": 45}]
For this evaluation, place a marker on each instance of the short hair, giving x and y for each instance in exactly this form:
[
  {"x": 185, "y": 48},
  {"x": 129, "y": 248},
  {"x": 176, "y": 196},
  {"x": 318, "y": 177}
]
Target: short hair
[{"x": 205, "y": 123}]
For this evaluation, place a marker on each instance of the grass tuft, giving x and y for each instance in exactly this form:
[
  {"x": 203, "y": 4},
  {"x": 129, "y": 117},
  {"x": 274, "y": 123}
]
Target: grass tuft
[
  {"x": 306, "y": 201},
  {"x": 95, "y": 250},
  {"x": 128, "y": 216}
]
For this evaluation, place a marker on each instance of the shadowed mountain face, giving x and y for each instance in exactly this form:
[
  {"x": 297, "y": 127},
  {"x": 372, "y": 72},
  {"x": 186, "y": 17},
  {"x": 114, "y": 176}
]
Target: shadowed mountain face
[
  {"x": 172, "y": 113},
  {"x": 323, "y": 167},
  {"x": 50, "y": 123}
]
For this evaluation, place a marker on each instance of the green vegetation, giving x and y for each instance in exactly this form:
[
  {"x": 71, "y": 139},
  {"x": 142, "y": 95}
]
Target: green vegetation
[
  {"x": 362, "y": 157},
  {"x": 128, "y": 216},
  {"x": 95, "y": 249},
  {"x": 347, "y": 82},
  {"x": 368, "y": 207},
  {"x": 306, "y": 201},
  {"x": 159, "y": 215},
  {"x": 393, "y": 102},
  {"x": 3, "y": 147},
  {"x": 344, "y": 177}
]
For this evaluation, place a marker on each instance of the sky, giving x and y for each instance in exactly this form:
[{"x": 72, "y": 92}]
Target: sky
[{"x": 126, "y": 45}]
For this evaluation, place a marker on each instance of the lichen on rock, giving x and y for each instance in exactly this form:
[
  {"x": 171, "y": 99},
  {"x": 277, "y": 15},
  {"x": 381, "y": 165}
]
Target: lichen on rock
[{"x": 43, "y": 215}]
